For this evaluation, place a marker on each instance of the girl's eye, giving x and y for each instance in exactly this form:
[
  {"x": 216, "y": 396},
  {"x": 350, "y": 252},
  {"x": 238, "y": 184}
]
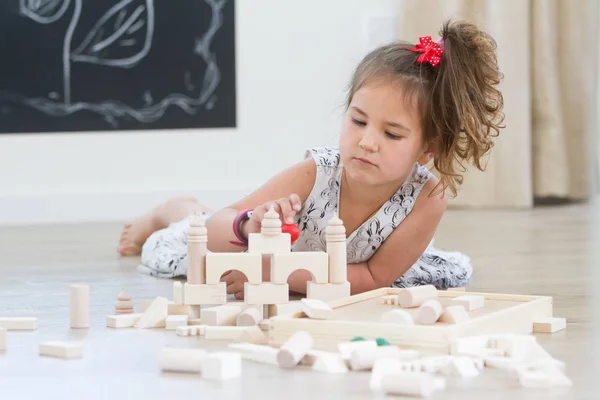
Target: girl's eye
[
  {"x": 392, "y": 136},
  {"x": 358, "y": 122}
]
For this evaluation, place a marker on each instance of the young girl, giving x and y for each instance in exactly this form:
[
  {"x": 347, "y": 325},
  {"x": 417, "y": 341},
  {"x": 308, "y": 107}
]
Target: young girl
[{"x": 407, "y": 104}]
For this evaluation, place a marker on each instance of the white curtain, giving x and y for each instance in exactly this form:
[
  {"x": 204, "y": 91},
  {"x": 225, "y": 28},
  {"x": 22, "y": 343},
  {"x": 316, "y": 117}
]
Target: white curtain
[{"x": 548, "y": 53}]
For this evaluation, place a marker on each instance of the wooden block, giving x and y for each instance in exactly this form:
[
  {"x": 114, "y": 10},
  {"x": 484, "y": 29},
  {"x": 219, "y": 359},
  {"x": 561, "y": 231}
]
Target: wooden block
[
  {"x": 457, "y": 289},
  {"x": 330, "y": 363},
  {"x": 177, "y": 293},
  {"x": 256, "y": 352},
  {"x": 79, "y": 306},
  {"x": 154, "y": 316},
  {"x": 454, "y": 315},
  {"x": 61, "y": 349},
  {"x": 415, "y": 296},
  {"x": 398, "y": 316},
  {"x": 219, "y": 263},
  {"x": 294, "y": 349},
  {"x": 315, "y": 262},
  {"x": 19, "y": 323},
  {"x": 224, "y": 315},
  {"x": 363, "y": 358},
  {"x": 316, "y": 309},
  {"x": 205, "y": 294},
  {"x": 266, "y": 293},
  {"x": 390, "y": 299},
  {"x": 190, "y": 330},
  {"x": 327, "y": 291},
  {"x": 249, "y": 317},
  {"x": 181, "y": 359},
  {"x": 549, "y": 325},
  {"x": 194, "y": 321},
  {"x": 253, "y": 334},
  {"x": 419, "y": 384},
  {"x": 346, "y": 348},
  {"x": 122, "y": 320},
  {"x": 261, "y": 244},
  {"x": 264, "y": 325},
  {"x": 212, "y": 332},
  {"x": 470, "y": 302},
  {"x": 283, "y": 309},
  {"x": 429, "y": 312},
  {"x": 178, "y": 309},
  {"x": 172, "y": 322},
  {"x": 222, "y": 365},
  {"x": 2, "y": 339}
]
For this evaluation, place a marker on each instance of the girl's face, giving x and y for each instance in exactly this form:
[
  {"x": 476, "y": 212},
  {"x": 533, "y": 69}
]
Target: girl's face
[{"x": 381, "y": 136}]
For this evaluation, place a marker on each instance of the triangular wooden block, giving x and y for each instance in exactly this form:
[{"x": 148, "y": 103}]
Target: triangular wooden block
[{"x": 155, "y": 315}]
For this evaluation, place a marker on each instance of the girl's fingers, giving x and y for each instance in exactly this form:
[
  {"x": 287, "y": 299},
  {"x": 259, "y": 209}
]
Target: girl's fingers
[
  {"x": 295, "y": 202},
  {"x": 287, "y": 213},
  {"x": 239, "y": 295}
]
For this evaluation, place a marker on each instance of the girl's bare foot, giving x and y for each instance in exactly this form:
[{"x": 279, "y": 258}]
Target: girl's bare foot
[{"x": 135, "y": 233}]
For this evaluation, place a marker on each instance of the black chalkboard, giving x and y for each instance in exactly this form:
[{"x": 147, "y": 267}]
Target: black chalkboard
[{"x": 89, "y": 65}]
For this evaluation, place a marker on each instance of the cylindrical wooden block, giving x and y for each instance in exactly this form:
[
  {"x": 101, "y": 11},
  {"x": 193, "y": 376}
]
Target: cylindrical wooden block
[
  {"x": 196, "y": 251},
  {"x": 415, "y": 296},
  {"x": 429, "y": 312},
  {"x": 335, "y": 236},
  {"x": 417, "y": 384},
  {"x": 249, "y": 317},
  {"x": 294, "y": 349},
  {"x": 181, "y": 360},
  {"x": 363, "y": 358},
  {"x": 79, "y": 306}
]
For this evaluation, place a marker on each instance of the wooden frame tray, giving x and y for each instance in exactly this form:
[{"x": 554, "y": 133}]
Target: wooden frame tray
[{"x": 359, "y": 315}]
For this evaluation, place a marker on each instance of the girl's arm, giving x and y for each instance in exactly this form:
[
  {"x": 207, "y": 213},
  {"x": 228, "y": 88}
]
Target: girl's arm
[
  {"x": 298, "y": 179},
  {"x": 398, "y": 252}
]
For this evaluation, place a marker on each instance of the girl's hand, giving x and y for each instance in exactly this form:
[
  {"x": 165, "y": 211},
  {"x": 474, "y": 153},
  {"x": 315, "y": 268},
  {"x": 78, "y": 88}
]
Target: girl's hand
[
  {"x": 286, "y": 207},
  {"x": 235, "y": 283}
]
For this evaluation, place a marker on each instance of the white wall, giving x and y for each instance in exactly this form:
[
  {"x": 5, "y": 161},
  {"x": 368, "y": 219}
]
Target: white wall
[{"x": 294, "y": 59}]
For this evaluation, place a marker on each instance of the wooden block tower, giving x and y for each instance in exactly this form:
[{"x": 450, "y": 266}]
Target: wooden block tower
[{"x": 328, "y": 269}]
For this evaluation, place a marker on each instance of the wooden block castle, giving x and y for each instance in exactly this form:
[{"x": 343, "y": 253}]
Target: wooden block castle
[{"x": 328, "y": 269}]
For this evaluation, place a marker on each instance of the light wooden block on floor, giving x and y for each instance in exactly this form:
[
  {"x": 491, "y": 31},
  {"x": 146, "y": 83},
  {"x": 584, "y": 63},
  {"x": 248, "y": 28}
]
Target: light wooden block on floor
[
  {"x": 266, "y": 293},
  {"x": 223, "y": 332},
  {"x": 122, "y": 320},
  {"x": 190, "y": 330},
  {"x": 248, "y": 263},
  {"x": 2, "y": 339},
  {"x": 19, "y": 323},
  {"x": 172, "y": 322},
  {"x": 224, "y": 315},
  {"x": 205, "y": 294},
  {"x": 315, "y": 262},
  {"x": 327, "y": 291},
  {"x": 550, "y": 325},
  {"x": 316, "y": 309},
  {"x": 171, "y": 359},
  {"x": 154, "y": 316},
  {"x": 58, "y": 349},
  {"x": 222, "y": 365}
]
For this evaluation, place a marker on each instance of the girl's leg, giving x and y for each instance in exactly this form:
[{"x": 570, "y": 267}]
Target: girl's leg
[{"x": 135, "y": 233}]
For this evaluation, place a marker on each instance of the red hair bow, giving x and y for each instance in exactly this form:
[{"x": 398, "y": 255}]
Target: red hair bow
[{"x": 432, "y": 51}]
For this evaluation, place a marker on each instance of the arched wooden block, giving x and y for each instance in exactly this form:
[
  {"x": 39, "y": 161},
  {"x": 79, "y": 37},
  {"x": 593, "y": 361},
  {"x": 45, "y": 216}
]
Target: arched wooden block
[
  {"x": 219, "y": 263},
  {"x": 315, "y": 262}
]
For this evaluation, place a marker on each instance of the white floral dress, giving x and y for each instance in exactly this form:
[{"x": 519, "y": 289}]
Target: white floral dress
[{"x": 164, "y": 253}]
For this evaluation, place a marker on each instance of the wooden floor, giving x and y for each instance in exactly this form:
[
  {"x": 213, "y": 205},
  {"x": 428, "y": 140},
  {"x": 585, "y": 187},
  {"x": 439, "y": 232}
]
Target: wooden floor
[{"x": 548, "y": 251}]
